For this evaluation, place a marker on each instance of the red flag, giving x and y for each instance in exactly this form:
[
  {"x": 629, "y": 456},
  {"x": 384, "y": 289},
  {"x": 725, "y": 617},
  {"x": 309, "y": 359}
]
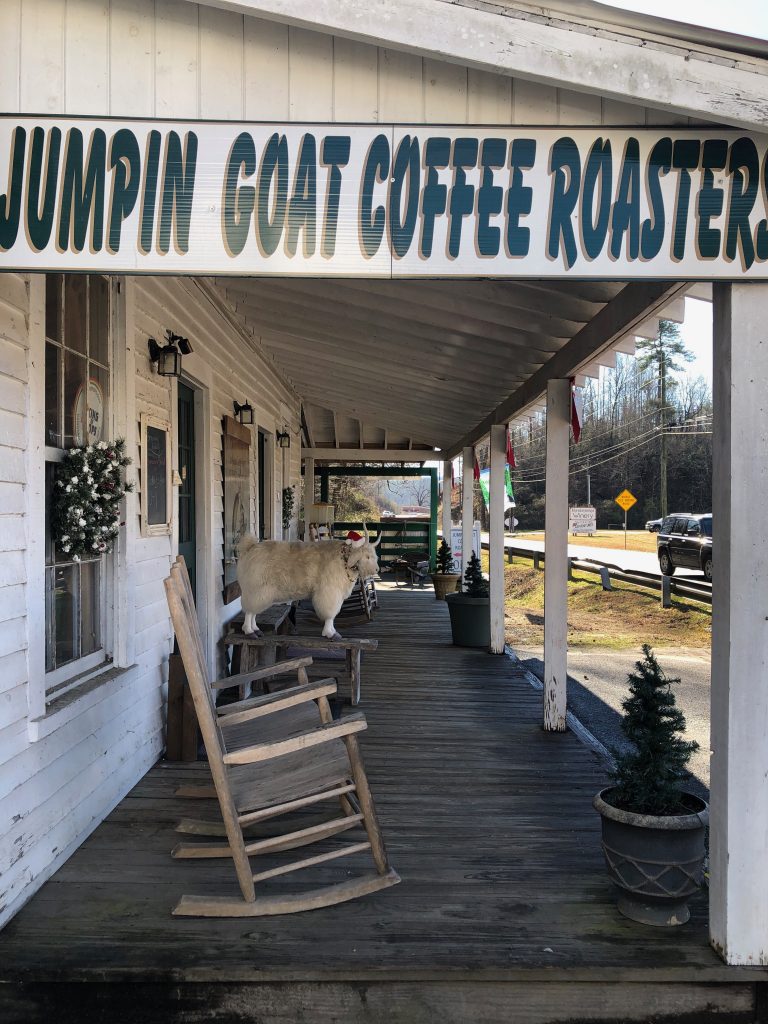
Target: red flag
[
  {"x": 510, "y": 452},
  {"x": 577, "y": 411},
  {"x": 477, "y": 470}
]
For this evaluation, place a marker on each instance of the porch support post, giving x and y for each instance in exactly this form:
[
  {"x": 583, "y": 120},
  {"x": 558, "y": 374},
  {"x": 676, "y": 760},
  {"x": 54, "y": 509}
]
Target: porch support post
[
  {"x": 467, "y": 510},
  {"x": 496, "y": 536},
  {"x": 447, "y": 503},
  {"x": 556, "y": 555},
  {"x": 739, "y": 786},
  {"x": 309, "y": 492}
]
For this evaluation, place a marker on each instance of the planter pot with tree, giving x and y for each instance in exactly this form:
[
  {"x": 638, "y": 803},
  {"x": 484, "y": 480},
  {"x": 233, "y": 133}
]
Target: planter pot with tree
[
  {"x": 470, "y": 610},
  {"x": 653, "y": 831},
  {"x": 445, "y": 580}
]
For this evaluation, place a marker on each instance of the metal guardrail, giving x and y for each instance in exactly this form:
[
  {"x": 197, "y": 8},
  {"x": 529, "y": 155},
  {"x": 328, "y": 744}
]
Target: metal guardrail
[{"x": 697, "y": 590}]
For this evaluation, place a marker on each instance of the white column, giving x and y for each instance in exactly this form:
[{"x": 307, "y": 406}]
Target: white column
[
  {"x": 467, "y": 511},
  {"x": 556, "y": 555},
  {"x": 739, "y": 786},
  {"x": 496, "y": 537},
  {"x": 447, "y": 502},
  {"x": 309, "y": 493}
]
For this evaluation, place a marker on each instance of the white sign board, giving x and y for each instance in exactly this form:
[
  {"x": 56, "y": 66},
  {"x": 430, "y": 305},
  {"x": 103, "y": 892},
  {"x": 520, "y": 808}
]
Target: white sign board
[
  {"x": 381, "y": 200},
  {"x": 582, "y": 519},
  {"x": 456, "y": 545}
]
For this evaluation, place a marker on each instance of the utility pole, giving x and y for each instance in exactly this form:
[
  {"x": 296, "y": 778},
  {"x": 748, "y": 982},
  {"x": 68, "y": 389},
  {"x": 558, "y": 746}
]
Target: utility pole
[{"x": 589, "y": 483}]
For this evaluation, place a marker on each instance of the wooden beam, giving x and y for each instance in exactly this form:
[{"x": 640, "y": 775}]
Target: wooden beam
[
  {"x": 634, "y": 303},
  {"x": 556, "y": 565},
  {"x": 498, "y": 452},
  {"x": 634, "y": 67},
  {"x": 371, "y": 454},
  {"x": 305, "y": 427}
]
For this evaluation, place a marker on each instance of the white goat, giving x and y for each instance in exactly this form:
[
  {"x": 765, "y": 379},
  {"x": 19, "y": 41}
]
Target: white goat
[{"x": 271, "y": 572}]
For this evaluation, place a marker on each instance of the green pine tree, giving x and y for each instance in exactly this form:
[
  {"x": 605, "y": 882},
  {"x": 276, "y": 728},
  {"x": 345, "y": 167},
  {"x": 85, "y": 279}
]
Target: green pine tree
[
  {"x": 647, "y": 778},
  {"x": 475, "y": 584},
  {"x": 444, "y": 558}
]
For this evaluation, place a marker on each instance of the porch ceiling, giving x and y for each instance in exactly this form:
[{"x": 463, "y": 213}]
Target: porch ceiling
[{"x": 424, "y": 360}]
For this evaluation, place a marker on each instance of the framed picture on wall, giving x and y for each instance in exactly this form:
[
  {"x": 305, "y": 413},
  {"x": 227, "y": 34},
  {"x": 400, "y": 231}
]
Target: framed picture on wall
[
  {"x": 156, "y": 504},
  {"x": 236, "y": 481}
]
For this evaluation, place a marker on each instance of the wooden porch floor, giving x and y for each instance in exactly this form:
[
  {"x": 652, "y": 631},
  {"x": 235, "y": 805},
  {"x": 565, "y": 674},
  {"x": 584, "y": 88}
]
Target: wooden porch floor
[{"x": 504, "y": 912}]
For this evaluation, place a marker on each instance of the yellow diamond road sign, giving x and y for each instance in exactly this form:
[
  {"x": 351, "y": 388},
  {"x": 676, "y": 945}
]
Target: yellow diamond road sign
[{"x": 626, "y": 499}]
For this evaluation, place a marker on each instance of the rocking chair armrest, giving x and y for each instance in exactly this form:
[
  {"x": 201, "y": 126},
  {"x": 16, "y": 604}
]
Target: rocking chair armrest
[
  {"x": 257, "y": 707},
  {"x": 289, "y": 665},
  {"x": 346, "y": 726}
]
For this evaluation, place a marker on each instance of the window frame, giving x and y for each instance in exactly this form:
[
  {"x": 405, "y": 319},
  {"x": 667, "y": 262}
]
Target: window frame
[{"x": 46, "y": 711}]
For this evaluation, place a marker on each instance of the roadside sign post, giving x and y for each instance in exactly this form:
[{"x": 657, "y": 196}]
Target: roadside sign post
[{"x": 625, "y": 500}]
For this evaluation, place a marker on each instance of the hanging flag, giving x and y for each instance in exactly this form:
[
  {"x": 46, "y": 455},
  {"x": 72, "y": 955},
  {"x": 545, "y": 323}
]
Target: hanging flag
[
  {"x": 453, "y": 476},
  {"x": 510, "y": 451},
  {"x": 510, "y": 500},
  {"x": 477, "y": 469},
  {"x": 484, "y": 476},
  {"x": 577, "y": 411}
]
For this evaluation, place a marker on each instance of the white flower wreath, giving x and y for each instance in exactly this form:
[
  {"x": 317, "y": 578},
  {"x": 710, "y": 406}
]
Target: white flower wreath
[{"x": 85, "y": 510}]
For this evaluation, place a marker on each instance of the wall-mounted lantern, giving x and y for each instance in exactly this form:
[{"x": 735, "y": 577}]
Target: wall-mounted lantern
[
  {"x": 244, "y": 413},
  {"x": 283, "y": 438},
  {"x": 168, "y": 356}
]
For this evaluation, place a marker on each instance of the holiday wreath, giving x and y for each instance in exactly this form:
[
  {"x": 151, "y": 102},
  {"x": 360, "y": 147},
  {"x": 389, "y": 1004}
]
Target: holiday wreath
[{"x": 85, "y": 516}]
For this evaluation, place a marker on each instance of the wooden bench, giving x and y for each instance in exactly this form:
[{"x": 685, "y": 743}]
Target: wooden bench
[{"x": 260, "y": 650}]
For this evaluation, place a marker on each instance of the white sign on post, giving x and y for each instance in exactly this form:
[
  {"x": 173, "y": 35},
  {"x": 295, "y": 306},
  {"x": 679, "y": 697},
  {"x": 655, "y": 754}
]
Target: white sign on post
[
  {"x": 582, "y": 519},
  {"x": 456, "y": 545}
]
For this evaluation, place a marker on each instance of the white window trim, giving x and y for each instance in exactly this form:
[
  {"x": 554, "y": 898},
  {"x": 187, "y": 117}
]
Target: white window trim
[
  {"x": 166, "y": 528},
  {"x": 117, "y": 605}
]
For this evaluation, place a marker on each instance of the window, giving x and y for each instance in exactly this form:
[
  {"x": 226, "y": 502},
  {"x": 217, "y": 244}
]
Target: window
[{"x": 77, "y": 349}]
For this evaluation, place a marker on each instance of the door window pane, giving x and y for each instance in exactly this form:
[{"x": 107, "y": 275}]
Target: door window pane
[
  {"x": 53, "y": 307},
  {"x": 65, "y": 611},
  {"x": 98, "y": 320},
  {"x": 52, "y": 395},
  {"x": 89, "y": 607},
  {"x": 74, "y": 399},
  {"x": 74, "y": 311}
]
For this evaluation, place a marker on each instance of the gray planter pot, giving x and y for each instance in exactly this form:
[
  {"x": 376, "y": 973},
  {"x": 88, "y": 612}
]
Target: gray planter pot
[
  {"x": 656, "y": 861},
  {"x": 470, "y": 620}
]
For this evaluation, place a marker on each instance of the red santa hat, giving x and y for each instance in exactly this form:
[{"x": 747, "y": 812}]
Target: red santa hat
[{"x": 355, "y": 539}]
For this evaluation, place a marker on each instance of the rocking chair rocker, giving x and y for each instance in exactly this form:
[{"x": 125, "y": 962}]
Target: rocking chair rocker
[{"x": 264, "y": 767}]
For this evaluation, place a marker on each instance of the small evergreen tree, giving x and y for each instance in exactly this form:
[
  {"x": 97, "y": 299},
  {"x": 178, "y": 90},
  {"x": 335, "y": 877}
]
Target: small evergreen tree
[
  {"x": 475, "y": 584},
  {"x": 647, "y": 778},
  {"x": 444, "y": 558}
]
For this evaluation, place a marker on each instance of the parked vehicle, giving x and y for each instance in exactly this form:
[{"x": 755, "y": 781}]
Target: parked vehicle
[
  {"x": 685, "y": 542},
  {"x": 654, "y": 525}
]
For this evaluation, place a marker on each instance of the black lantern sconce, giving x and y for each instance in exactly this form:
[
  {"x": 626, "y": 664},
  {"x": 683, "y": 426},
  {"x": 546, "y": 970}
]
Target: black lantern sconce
[
  {"x": 283, "y": 438},
  {"x": 244, "y": 413},
  {"x": 168, "y": 357}
]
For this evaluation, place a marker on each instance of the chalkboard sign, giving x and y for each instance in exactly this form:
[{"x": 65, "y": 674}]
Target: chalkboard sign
[
  {"x": 157, "y": 469},
  {"x": 155, "y": 476}
]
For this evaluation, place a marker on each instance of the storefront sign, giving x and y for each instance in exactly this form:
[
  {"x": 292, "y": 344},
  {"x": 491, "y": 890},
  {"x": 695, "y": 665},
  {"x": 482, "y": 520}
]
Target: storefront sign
[
  {"x": 582, "y": 519},
  {"x": 381, "y": 200}
]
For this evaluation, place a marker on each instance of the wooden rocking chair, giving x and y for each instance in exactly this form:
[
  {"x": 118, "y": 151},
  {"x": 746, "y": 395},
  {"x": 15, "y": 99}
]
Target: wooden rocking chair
[{"x": 261, "y": 773}]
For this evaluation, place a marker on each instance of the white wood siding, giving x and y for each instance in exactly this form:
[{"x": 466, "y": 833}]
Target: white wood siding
[
  {"x": 55, "y": 790},
  {"x": 170, "y": 58}
]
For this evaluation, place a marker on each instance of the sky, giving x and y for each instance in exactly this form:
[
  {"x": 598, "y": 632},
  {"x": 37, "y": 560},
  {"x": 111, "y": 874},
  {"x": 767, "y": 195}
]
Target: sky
[
  {"x": 697, "y": 335},
  {"x": 745, "y": 17}
]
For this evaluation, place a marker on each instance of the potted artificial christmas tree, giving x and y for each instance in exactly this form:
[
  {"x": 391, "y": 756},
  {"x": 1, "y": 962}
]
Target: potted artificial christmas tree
[
  {"x": 445, "y": 579},
  {"x": 470, "y": 610},
  {"x": 653, "y": 832}
]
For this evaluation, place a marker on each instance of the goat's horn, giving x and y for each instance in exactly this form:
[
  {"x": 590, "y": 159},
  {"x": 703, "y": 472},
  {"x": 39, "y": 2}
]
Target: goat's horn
[
  {"x": 365, "y": 531},
  {"x": 377, "y": 541}
]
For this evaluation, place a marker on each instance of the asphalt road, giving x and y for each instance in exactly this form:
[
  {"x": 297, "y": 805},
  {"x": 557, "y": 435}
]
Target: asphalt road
[
  {"x": 597, "y": 684},
  {"x": 644, "y": 561}
]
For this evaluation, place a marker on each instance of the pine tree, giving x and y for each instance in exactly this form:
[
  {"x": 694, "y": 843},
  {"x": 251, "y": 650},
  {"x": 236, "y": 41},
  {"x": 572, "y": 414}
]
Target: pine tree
[
  {"x": 663, "y": 353},
  {"x": 444, "y": 558},
  {"x": 647, "y": 778},
  {"x": 475, "y": 584}
]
